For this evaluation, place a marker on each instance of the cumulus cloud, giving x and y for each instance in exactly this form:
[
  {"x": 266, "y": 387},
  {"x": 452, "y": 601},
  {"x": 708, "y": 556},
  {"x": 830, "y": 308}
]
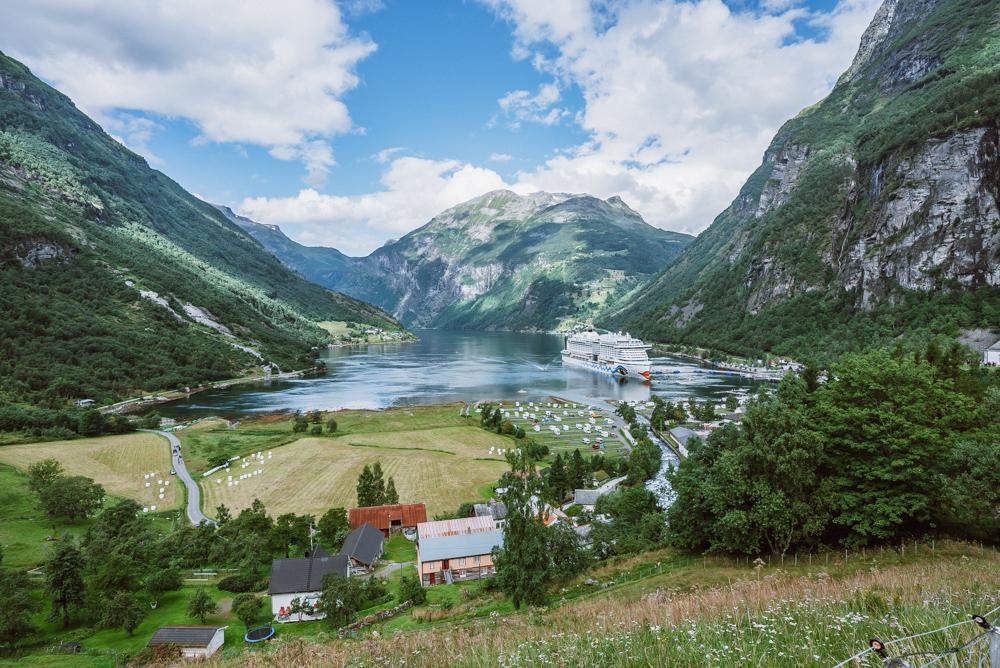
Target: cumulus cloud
[
  {"x": 501, "y": 157},
  {"x": 250, "y": 71},
  {"x": 680, "y": 98},
  {"x": 520, "y": 106},
  {"x": 414, "y": 190}
]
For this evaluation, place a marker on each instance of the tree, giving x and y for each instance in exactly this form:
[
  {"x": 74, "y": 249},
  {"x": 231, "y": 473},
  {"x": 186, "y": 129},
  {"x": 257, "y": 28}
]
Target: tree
[
  {"x": 246, "y": 607},
  {"x": 123, "y": 611},
  {"x": 635, "y": 522},
  {"x": 64, "y": 579},
  {"x": 298, "y": 607},
  {"x": 41, "y": 474},
  {"x": 315, "y": 416},
  {"x": 567, "y": 558},
  {"x": 18, "y": 607},
  {"x": 333, "y": 527},
  {"x": 316, "y": 430},
  {"x": 341, "y": 598},
  {"x": 578, "y": 472},
  {"x": 378, "y": 484},
  {"x": 72, "y": 497},
  {"x": 732, "y": 403},
  {"x": 300, "y": 423},
  {"x": 151, "y": 421},
  {"x": 410, "y": 589},
  {"x": 91, "y": 423},
  {"x": 557, "y": 480},
  {"x": 291, "y": 530},
  {"x": 366, "y": 494},
  {"x": 331, "y": 425},
  {"x": 201, "y": 605},
  {"x": 222, "y": 514},
  {"x": 626, "y": 412},
  {"x": 522, "y": 564},
  {"x": 162, "y": 580},
  {"x": 391, "y": 496}
]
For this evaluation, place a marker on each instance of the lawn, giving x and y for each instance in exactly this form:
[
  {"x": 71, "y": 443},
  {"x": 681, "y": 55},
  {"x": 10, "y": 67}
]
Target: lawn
[
  {"x": 400, "y": 549},
  {"x": 441, "y": 467},
  {"x": 116, "y": 462}
]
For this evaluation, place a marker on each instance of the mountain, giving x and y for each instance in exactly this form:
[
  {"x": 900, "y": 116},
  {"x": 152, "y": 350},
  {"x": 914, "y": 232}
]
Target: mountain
[
  {"x": 114, "y": 279},
  {"x": 874, "y": 212},
  {"x": 500, "y": 261}
]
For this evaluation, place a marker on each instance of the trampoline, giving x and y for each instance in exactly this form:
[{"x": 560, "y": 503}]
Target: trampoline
[{"x": 259, "y": 634}]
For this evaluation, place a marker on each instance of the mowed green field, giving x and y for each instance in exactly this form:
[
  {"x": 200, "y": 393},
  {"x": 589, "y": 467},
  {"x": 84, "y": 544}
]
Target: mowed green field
[
  {"x": 570, "y": 438},
  {"x": 440, "y": 466},
  {"x": 116, "y": 462}
]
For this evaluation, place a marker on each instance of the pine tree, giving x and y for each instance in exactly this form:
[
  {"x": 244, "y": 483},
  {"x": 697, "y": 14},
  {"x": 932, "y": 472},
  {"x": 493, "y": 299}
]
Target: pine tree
[
  {"x": 364, "y": 488},
  {"x": 64, "y": 579},
  {"x": 378, "y": 485},
  {"x": 557, "y": 480},
  {"x": 391, "y": 496},
  {"x": 578, "y": 472}
]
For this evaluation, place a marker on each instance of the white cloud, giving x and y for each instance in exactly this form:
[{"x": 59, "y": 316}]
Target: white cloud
[
  {"x": 680, "y": 98},
  {"x": 501, "y": 157},
  {"x": 255, "y": 72},
  {"x": 521, "y": 106},
  {"x": 415, "y": 189}
]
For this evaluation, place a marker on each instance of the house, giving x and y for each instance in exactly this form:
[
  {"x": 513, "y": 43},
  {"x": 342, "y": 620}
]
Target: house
[
  {"x": 497, "y": 510},
  {"x": 195, "y": 642},
  {"x": 464, "y": 525},
  {"x": 991, "y": 356},
  {"x": 302, "y": 578},
  {"x": 363, "y": 547},
  {"x": 586, "y": 498},
  {"x": 389, "y": 519},
  {"x": 457, "y": 557},
  {"x": 682, "y": 435}
]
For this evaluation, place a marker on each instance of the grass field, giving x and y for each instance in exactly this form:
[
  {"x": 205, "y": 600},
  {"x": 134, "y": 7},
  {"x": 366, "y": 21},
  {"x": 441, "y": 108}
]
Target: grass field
[
  {"x": 570, "y": 437},
  {"x": 116, "y": 462},
  {"x": 441, "y": 467}
]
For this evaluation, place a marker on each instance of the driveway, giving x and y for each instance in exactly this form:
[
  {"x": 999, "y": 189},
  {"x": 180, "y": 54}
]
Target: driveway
[{"x": 193, "y": 491}]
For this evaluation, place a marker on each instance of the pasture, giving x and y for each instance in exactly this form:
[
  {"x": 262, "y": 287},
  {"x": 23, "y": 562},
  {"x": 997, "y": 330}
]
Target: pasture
[
  {"x": 116, "y": 462},
  {"x": 566, "y": 416},
  {"x": 439, "y": 466}
]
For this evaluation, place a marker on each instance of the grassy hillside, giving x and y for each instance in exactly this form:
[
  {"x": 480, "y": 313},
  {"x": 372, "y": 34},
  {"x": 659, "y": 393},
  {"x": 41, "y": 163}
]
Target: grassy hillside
[
  {"x": 873, "y": 214},
  {"x": 117, "y": 280}
]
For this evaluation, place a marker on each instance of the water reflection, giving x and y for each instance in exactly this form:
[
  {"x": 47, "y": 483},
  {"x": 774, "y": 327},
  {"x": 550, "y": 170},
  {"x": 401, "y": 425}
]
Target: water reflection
[{"x": 455, "y": 366}]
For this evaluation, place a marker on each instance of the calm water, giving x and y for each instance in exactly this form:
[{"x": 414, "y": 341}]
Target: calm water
[{"x": 454, "y": 366}]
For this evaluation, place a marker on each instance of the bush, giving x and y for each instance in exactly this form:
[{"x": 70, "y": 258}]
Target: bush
[
  {"x": 241, "y": 583},
  {"x": 316, "y": 430},
  {"x": 410, "y": 589}
]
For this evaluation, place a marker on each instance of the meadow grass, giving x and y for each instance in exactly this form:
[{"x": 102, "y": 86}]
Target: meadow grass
[
  {"x": 688, "y": 613},
  {"x": 116, "y": 462}
]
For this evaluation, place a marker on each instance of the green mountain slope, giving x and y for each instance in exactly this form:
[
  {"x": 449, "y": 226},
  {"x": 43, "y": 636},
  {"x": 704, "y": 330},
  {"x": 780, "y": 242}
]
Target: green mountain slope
[
  {"x": 874, "y": 213},
  {"x": 114, "y": 279},
  {"x": 500, "y": 261}
]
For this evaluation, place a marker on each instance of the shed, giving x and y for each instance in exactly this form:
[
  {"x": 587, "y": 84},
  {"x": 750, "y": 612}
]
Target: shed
[
  {"x": 363, "y": 547},
  {"x": 991, "y": 356},
  {"x": 193, "y": 641}
]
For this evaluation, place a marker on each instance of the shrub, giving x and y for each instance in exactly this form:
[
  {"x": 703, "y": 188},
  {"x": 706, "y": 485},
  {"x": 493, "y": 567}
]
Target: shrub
[{"x": 240, "y": 583}]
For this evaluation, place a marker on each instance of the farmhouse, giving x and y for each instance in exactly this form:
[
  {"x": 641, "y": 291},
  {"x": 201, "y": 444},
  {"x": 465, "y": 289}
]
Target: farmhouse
[
  {"x": 991, "y": 356},
  {"x": 302, "y": 578},
  {"x": 363, "y": 547},
  {"x": 389, "y": 519},
  {"x": 465, "y": 525},
  {"x": 457, "y": 557},
  {"x": 195, "y": 642}
]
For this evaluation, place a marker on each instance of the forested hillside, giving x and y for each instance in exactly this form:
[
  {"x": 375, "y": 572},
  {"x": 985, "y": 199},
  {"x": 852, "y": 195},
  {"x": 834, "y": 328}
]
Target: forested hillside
[
  {"x": 874, "y": 212},
  {"x": 114, "y": 279}
]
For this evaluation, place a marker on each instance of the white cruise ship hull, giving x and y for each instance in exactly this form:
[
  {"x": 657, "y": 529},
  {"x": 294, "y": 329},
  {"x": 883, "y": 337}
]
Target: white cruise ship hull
[{"x": 610, "y": 367}]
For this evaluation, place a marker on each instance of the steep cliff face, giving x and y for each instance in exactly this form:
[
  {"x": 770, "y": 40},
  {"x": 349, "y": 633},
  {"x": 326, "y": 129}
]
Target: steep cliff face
[
  {"x": 500, "y": 261},
  {"x": 868, "y": 206}
]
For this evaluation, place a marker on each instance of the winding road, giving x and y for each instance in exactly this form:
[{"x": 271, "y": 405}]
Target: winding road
[{"x": 193, "y": 491}]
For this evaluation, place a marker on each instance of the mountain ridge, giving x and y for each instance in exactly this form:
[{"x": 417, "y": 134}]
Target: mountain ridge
[{"x": 497, "y": 261}]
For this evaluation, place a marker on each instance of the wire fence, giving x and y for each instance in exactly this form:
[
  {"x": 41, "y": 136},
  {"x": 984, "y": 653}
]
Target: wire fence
[{"x": 982, "y": 649}]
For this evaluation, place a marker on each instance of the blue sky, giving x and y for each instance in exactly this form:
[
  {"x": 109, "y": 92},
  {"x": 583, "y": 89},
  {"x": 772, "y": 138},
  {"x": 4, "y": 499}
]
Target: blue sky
[{"x": 353, "y": 123}]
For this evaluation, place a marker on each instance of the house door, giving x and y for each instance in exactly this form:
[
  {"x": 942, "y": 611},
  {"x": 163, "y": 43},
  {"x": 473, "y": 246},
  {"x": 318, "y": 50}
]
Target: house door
[
  {"x": 432, "y": 578},
  {"x": 444, "y": 565}
]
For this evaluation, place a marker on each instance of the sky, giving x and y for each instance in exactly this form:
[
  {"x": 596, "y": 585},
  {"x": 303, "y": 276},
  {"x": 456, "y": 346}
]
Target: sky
[{"x": 351, "y": 123}]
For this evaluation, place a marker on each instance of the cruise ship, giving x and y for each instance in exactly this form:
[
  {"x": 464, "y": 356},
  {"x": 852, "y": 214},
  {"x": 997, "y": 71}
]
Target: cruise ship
[{"x": 617, "y": 354}]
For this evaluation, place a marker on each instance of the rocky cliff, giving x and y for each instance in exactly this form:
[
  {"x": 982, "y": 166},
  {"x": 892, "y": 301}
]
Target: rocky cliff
[
  {"x": 499, "y": 261},
  {"x": 874, "y": 212}
]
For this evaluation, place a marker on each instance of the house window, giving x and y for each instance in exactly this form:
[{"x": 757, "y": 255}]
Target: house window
[{"x": 461, "y": 562}]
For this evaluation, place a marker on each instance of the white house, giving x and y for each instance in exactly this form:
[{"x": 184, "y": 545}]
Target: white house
[
  {"x": 195, "y": 642},
  {"x": 302, "y": 578},
  {"x": 991, "y": 356}
]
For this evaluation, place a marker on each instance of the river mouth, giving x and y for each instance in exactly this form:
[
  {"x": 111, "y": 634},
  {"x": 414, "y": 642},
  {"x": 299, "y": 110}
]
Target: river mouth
[{"x": 445, "y": 366}]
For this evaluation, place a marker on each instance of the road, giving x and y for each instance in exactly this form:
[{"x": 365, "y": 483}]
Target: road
[{"x": 193, "y": 491}]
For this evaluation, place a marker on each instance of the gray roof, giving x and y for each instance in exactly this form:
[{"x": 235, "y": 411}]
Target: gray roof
[
  {"x": 682, "y": 434},
  {"x": 995, "y": 346},
  {"x": 434, "y": 548},
  {"x": 586, "y": 497},
  {"x": 184, "y": 636},
  {"x": 497, "y": 510},
  {"x": 299, "y": 575},
  {"x": 364, "y": 544}
]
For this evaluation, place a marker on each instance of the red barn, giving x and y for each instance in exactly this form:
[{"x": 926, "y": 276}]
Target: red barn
[{"x": 389, "y": 519}]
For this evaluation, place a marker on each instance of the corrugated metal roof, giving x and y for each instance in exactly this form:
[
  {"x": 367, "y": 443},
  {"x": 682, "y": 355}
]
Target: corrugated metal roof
[
  {"x": 184, "y": 636},
  {"x": 463, "y": 525},
  {"x": 299, "y": 575},
  {"x": 586, "y": 497},
  {"x": 435, "y": 548},
  {"x": 381, "y": 517},
  {"x": 682, "y": 434},
  {"x": 363, "y": 544}
]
